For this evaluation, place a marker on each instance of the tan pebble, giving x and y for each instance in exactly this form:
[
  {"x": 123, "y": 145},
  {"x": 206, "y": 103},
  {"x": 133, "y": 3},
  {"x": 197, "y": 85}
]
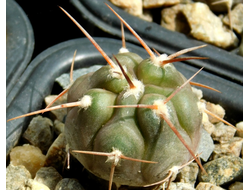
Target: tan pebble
[
  {"x": 208, "y": 126},
  {"x": 133, "y": 7},
  {"x": 236, "y": 18},
  {"x": 173, "y": 19},
  {"x": 159, "y": 3},
  {"x": 223, "y": 133},
  {"x": 188, "y": 174},
  {"x": 240, "y": 127},
  {"x": 236, "y": 186},
  {"x": 35, "y": 185},
  {"x": 16, "y": 177},
  {"x": 29, "y": 156},
  {"x": 208, "y": 186},
  {"x": 215, "y": 109},
  {"x": 233, "y": 147},
  {"x": 206, "y": 26}
]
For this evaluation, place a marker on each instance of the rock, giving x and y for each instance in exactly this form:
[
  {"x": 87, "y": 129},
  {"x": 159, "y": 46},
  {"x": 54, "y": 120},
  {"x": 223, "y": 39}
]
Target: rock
[
  {"x": 39, "y": 133},
  {"x": 198, "y": 92},
  {"x": 184, "y": 186},
  {"x": 215, "y": 109},
  {"x": 236, "y": 18},
  {"x": 58, "y": 127},
  {"x": 186, "y": 1},
  {"x": 173, "y": 19},
  {"x": 223, "y": 133},
  {"x": 29, "y": 156},
  {"x": 146, "y": 15},
  {"x": 207, "y": 125},
  {"x": 223, "y": 170},
  {"x": 235, "y": 2},
  {"x": 206, "y": 146},
  {"x": 236, "y": 186},
  {"x": 240, "y": 127},
  {"x": 188, "y": 174},
  {"x": 16, "y": 177},
  {"x": 48, "y": 176},
  {"x": 133, "y": 7},
  {"x": 58, "y": 114},
  {"x": 64, "y": 79},
  {"x": 69, "y": 184},
  {"x": 207, "y": 186},
  {"x": 232, "y": 148},
  {"x": 159, "y": 3},
  {"x": 219, "y": 6},
  {"x": 206, "y": 26},
  {"x": 180, "y": 186},
  {"x": 35, "y": 185},
  {"x": 56, "y": 154}
]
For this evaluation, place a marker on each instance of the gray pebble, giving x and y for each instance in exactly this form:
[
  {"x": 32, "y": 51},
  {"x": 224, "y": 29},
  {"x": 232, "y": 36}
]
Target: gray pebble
[
  {"x": 69, "y": 184},
  {"x": 16, "y": 177},
  {"x": 64, "y": 79},
  {"x": 48, "y": 176},
  {"x": 58, "y": 127},
  {"x": 222, "y": 170},
  {"x": 39, "y": 133}
]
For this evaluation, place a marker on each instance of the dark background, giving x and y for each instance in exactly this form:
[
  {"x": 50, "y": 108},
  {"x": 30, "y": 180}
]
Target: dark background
[{"x": 51, "y": 26}]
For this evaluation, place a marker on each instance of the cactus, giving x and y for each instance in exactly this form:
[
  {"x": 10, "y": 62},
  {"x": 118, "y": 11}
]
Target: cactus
[
  {"x": 139, "y": 133},
  {"x": 141, "y": 114}
]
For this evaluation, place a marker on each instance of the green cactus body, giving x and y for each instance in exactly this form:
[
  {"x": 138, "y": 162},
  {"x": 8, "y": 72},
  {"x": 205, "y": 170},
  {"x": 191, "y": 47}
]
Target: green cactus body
[{"x": 137, "y": 132}]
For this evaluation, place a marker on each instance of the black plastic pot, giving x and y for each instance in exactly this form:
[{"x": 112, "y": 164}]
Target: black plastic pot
[
  {"x": 221, "y": 62},
  {"x": 37, "y": 81},
  {"x": 19, "y": 43}
]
